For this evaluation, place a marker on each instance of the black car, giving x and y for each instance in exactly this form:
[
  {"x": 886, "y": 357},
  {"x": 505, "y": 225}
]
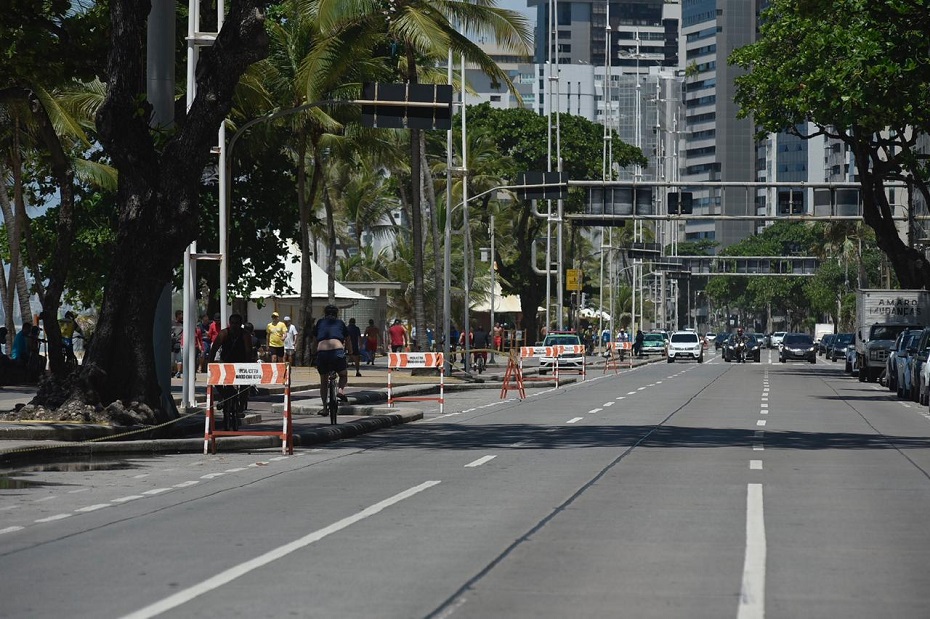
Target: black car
[
  {"x": 825, "y": 342},
  {"x": 798, "y": 347},
  {"x": 838, "y": 346},
  {"x": 720, "y": 340},
  {"x": 753, "y": 348}
]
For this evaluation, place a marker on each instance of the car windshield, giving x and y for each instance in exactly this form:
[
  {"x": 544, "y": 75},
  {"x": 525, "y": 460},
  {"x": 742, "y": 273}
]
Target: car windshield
[
  {"x": 684, "y": 338},
  {"x": 843, "y": 339},
  {"x": 889, "y": 332},
  {"x": 654, "y": 338},
  {"x": 798, "y": 339},
  {"x": 561, "y": 340}
]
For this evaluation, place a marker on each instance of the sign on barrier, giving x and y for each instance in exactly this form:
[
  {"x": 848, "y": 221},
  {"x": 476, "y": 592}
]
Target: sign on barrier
[
  {"x": 227, "y": 374},
  {"x": 410, "y": 360}
]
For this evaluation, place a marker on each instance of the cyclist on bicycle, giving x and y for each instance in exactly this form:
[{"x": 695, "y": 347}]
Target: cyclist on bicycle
[
  {"x": 233, "y": 345},
  {"x": 480, "y": 345},
  {"x": 329, "y": 339}
]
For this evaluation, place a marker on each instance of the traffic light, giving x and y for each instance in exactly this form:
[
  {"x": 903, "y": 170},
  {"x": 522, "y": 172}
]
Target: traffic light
[
  {"x": 680, "y": 203},
  {"x": 407, "y": 106},
  {"x": 554, "y": 186}
]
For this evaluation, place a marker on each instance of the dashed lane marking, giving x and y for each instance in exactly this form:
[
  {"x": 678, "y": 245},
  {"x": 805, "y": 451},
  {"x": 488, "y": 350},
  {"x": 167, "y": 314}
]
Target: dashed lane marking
[
  {"x": 575, "y": 420},
  {"x": 595, "y": 410},
  {"x": 761, "y": 422},
  {"x": 155, "y": 491},
  {"x": 126, "y": 499},
  {"x": 479, "y": 462},
  {"x": 187, "y": 484},
  {"x": 755, "y": 465},
  {"x": 53, "y": 518},
  {"x": 93, "y": 508}
]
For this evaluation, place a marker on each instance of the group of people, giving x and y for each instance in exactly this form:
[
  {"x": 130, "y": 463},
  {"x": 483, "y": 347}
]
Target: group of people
[{"x": 25, "y": 360}]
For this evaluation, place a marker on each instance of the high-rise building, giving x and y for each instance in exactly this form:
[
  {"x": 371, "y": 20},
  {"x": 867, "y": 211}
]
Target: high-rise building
[{"x": 718, "y": 146}]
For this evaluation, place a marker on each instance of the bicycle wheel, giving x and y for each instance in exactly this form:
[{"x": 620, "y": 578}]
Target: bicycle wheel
[
  {"x": 332, "y": 400},
  {"x": 232, "y": 410}
]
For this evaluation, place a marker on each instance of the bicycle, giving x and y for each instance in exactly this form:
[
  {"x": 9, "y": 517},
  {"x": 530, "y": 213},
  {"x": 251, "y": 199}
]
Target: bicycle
[
  {"x": 233, "y": 406},
  {"x": 480, "y": 361},
  {"x": 332, "y": 399}
]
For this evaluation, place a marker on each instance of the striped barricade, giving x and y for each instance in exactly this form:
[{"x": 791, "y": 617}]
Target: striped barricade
[
  {"x": 574, "y": 349},
  {"x": 409, "y": 361},
  {"x": 223, "y": 374},
  {"x": 618, "y": 353},
  {"x": 538, "y": 352}
]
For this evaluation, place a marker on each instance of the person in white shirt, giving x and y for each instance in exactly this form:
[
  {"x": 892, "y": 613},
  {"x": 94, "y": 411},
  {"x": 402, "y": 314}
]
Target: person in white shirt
[{"x": 290, "y": 340}]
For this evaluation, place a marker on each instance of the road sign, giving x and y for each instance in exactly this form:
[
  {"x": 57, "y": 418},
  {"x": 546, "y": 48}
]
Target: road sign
[
  {"x": 407, "y": 106},
  {"x": 573, "y": 279}
]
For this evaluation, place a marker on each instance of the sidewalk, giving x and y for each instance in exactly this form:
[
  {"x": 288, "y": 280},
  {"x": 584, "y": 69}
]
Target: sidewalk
[{"x": 366, "y": 411}]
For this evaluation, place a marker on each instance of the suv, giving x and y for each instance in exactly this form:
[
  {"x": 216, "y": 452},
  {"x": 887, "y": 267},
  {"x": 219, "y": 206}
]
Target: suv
[
  {"x": 685, "y": 345},
  {"x": 567, "y": 360}
]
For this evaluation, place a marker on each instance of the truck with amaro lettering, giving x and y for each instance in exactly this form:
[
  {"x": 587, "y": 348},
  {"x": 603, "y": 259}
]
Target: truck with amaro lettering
[{"x": 880, "y": 316}]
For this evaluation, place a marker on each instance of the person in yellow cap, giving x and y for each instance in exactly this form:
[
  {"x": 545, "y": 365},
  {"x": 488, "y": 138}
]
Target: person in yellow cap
[{"x": 275, "y": 332}]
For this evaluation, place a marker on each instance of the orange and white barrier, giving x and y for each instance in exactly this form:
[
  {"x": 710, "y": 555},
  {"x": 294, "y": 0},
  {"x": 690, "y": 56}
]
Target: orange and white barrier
[
  {"x": 411, "y": 360},
  {"x": 248, "y": 374},
  {"x": 577, "y": 349},
  {"x": 618, "y": 352},
  {"x": 555, "y": 352}
]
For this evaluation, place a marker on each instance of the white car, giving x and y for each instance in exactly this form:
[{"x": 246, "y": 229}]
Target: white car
[
  {"x": 685, "y": 345},
  {"x": 777, "y": 337},
  {"x": 709, "y": 338}
]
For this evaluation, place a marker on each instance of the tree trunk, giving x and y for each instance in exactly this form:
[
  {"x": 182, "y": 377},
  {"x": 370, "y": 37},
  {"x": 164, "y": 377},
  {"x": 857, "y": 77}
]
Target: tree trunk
[
  {"x": 17, "y": 275},
  {"x": 306, "y": 200},
  {"x": 156, "y": 196},
  {"x": 330, "y": 247}
]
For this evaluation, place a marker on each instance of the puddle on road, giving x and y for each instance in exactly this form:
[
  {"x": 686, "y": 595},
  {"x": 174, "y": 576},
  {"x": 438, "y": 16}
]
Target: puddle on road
[{"x": 20, "y": 477}]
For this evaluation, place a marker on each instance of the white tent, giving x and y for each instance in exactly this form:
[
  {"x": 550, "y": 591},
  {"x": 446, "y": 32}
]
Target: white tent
[
  {"x": 587, "y": 312},
  {"x": 289, "y": 304},
  {"x": 502, "y": 304}
]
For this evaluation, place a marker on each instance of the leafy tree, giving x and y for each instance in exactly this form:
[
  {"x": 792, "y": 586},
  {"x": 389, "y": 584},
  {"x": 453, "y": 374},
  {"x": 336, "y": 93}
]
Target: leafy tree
[
  {"x": 521, "y": 136},
  {"x": 859, "y": 71}
]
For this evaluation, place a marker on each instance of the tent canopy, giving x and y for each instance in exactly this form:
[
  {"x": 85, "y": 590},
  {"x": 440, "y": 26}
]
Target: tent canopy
[
  {"x": 502, "y": 304},
  {"x": 320, "y": 281}
]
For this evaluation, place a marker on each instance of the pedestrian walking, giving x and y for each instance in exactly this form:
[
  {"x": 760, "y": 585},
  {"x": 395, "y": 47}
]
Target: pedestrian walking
[
  {"x": 372, "y": 335},
  {"x": 290, "y": 341},
  {"x": 352, "y": 345}
]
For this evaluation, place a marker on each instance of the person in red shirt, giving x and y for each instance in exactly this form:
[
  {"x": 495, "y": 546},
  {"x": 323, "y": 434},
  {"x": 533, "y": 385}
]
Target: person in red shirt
[{"x": 397, "y": 335}]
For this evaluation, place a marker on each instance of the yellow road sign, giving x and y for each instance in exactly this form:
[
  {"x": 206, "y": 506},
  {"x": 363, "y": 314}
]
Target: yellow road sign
[{"x": 573, "y": 279}]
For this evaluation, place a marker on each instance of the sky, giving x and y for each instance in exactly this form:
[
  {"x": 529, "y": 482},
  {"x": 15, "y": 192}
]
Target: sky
[{"x": 517, "y": 5}]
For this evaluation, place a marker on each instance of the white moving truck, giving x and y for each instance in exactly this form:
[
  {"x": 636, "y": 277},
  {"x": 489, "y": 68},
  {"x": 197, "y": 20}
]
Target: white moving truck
[
  {"x": 821, "y": 329},
  {"x": 880, "y": 316}
]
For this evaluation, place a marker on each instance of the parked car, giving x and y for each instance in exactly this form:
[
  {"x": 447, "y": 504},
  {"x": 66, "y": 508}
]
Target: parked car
[
  {"x": 776, "y": 339},
  {"x": 918, "y": 360},
  {"x": 753, "y": 347},
  {"x": 824, "y": 343},
  {"x": 797, "y": 347},
  {"x": 839, "y": 344},
  {"x": 568, "y": 360},
  {"x": 720, "y": 340},
  {"x": 903, "y": 369},
  {"x": 654, "y": 343},
  {"x": 898, "y": 357},
  {"x": 685, "y": 345}
]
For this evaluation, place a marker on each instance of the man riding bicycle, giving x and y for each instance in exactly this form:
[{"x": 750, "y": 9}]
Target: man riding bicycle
[
  {"x": 233, "y": 345},
  {"x": 329, "y": 338},
  {"x": 69, "y": 326}
]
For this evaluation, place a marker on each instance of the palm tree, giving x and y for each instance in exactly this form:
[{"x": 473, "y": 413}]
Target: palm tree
[{"x": 425, "y": 31}]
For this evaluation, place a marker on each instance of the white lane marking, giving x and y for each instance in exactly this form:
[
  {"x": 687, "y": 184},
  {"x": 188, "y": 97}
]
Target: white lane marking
[
  {"x": 155, "y": 491},
  {"x": 78, "y": 490},
  {"x": 640, "y": 389},
  {"x": 765, "y": 398},
  {"x": 658, "y": 382},
  {"x": 126, "y": 499},
  {"x": 595, "y": 410},
  {"x": 242, "y": 468},
  {"x": 761, "y": 422},
  {"x": 53, "y": 518},
  {"x": 141, "y": 476},
  {"x": 606, "y": 404},
  {"x": 764, "y": 405},
  {"x": 279, "y": 458},
  {"x": 212, "y": 475},
  {"x": 44, "y": 499},
  {"x": 187, "y": 484},
  {"x": 620, "y": 397},
  {"x": 8, "y": 507},
  {"x": 479, "y": 461},
  {"x": 93, "y": 508},
  {"x": 10, "y": 530},
  {"x": 765, "y": 390},
  {"x": 758, "y": 447},
  {"x": 755, "y": 465},
  {"x": 752, "y": 590},
  {"x": 631, "y": 393},
  {"x": 574, "y": 420},
  {"x": 227, "y": 576},
  {"x": 763, "y": 412}
]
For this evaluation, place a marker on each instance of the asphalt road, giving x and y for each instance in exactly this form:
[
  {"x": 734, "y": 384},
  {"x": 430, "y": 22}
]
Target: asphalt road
[{"x": 672, "y": 490}]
